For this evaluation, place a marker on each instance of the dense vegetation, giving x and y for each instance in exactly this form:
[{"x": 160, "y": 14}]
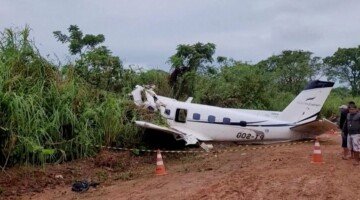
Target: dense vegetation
[{"x": 51, "y": 113}]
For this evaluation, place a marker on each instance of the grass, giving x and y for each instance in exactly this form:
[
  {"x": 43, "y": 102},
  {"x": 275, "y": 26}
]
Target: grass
[{"x": 47, "y": 115}]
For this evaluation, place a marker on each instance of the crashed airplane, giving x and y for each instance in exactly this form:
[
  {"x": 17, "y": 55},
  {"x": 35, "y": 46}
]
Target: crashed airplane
[{"x": 195, "y": 123}]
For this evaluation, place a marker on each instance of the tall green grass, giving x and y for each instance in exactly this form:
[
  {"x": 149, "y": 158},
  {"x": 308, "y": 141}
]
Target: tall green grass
[{"x": 47, "y": 116}]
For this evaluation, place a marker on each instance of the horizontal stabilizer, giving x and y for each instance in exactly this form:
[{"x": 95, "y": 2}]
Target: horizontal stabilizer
[{"x": 317, "y": 127}]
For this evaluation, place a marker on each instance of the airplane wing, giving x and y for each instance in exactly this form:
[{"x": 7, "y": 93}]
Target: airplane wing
[
  {"x": 317, "y": 127},
  {"x": 189, "y": 136}
]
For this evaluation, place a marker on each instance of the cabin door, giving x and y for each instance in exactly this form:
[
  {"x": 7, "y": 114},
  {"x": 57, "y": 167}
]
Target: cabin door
[{"x": 181, "y": 115}]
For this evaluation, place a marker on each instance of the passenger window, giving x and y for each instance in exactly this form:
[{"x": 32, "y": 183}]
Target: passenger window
[
  {"x": 181, "y": 115},
  {"x": 211, "y": 118},
  {"x": 196, "y": 116},
  {"x": 167, "y": 111},
  {"x": 226, "y": 120}
]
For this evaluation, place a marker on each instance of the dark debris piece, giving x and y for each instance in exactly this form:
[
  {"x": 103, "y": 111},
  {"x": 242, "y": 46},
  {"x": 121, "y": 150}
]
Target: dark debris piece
[{"x": 82, "y": 186}]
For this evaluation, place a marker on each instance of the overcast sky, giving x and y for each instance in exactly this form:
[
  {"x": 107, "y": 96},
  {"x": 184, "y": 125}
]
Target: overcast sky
[{"x": 146, "y": 32}]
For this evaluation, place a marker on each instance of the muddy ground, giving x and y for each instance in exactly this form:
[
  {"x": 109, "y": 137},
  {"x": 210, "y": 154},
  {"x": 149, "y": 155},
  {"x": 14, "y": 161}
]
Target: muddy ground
[{"x": 284, "y": 172}]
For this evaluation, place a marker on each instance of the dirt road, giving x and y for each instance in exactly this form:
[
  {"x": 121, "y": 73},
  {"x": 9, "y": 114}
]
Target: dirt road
[{"x": 276, "y": 173}]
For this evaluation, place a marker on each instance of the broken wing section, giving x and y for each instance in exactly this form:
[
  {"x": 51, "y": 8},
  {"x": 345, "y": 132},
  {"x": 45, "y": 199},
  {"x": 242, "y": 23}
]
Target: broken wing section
[
  {"x": 316, "y": 127},
  {"x": 187, "y": 135}
]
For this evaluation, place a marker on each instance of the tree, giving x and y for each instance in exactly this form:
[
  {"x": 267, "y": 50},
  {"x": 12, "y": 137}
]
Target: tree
[
  {"x": 344, "y": 65},
  {"x": 96, "y": 64},
  {"x": 291, "y": 69},
  {"x": 185, "y": 63},
  {"x": 100, "y": 68},
  {"x": 237, "y": 86},
  {"x": 157, "y": 77},
  {"x": 77, "y": 41}
]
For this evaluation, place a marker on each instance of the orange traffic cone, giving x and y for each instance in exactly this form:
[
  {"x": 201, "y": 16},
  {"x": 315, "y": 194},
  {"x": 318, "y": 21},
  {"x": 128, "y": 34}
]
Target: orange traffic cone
[
  {"x": 317, "y": 156},
  {"x": 160, "y": 168}
]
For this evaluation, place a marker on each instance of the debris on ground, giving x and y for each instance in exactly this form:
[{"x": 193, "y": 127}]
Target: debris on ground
[{"x": 82, "y": 186}]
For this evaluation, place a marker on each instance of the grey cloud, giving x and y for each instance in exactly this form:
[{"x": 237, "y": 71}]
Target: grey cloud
[{"x": 147, "y": 32}]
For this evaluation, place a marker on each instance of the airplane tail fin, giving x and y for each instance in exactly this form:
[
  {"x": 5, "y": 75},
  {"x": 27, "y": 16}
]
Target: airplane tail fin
[{"x": 307, "y": 105}]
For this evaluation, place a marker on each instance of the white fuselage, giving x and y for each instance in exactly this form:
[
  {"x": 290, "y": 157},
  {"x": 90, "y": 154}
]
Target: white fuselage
[
  {"x": 196, "y": 122},
  {"x": 225, "y": 124}
]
